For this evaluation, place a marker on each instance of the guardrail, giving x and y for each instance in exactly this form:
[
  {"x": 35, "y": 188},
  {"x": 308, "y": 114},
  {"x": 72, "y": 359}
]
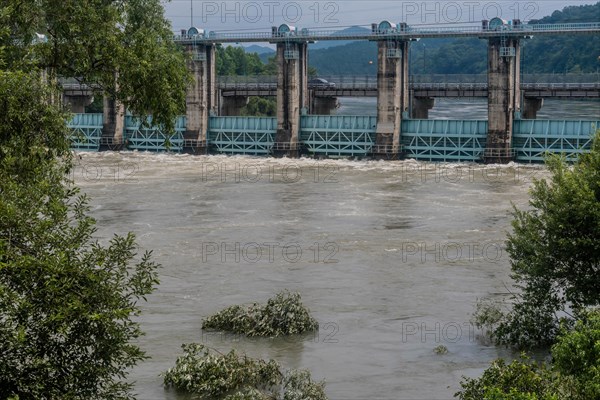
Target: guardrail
[
  {"x": 407, "y": 32},
  {"x": 417, "y": 82}
]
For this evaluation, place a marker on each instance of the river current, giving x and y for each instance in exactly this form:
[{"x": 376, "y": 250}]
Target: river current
[{"x": 389, "y": 256}]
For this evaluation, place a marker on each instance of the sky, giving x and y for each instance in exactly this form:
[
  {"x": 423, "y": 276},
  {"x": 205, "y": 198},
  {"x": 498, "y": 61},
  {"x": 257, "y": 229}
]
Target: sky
[{"x": 261, "y": 15}]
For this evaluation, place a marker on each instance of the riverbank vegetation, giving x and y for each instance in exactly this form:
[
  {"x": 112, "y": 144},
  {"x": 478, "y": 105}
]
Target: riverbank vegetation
[
  {"x": 555, "y": 262},
  {"x": 282, "y": 315},
  {"x": 573, "y": 373},
  {"x": 555, "y": 256}
]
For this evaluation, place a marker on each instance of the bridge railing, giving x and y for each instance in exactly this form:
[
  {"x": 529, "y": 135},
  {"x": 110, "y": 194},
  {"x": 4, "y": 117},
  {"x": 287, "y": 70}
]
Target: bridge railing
[
  {"x": 406, "y": 32},
  {"x": 429, "y": 81}
]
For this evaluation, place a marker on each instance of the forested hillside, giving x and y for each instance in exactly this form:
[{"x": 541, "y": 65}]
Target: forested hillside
[
  {"x": 550, "y": 54},
  {"x": 557, "y": 54}
]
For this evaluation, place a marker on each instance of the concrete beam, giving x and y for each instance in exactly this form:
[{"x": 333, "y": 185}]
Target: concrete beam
[
  {"x": 201, "y": 99},
  {"x": 392, "y": 96},
  {"x": 504, "y": 99},
  {"x": 292, "y": 95},
  {"x": 421, "y": 106}
]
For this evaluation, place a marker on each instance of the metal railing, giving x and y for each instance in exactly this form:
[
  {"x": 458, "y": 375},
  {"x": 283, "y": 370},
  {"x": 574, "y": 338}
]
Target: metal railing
[
  {"x": 404, "y": 33},
  {"x": 420, "y": 82}
]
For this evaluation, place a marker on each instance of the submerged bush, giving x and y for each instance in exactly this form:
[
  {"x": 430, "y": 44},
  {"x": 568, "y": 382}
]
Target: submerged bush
[
  {"x": 283, "y": 315},
  {"x": 213, "y": 375}
]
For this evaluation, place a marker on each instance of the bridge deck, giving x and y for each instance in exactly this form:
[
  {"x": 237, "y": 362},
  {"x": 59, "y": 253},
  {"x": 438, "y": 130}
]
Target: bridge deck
[{"x": 307, "y": 35}]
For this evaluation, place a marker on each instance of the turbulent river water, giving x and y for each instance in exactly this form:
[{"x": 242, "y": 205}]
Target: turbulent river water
[{"x": 390, "y": 257}]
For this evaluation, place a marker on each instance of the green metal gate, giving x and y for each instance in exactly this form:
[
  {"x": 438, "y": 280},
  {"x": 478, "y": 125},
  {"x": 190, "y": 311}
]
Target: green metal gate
[
  {"x": 86, "y": 131},
  {"x": 534, "y": 139},
  {"x": 444, "y": 140},
  {"x": 147, "y": 137},
  {"x": 242, "y": 135},
  {"x": 338, "y": 135}
]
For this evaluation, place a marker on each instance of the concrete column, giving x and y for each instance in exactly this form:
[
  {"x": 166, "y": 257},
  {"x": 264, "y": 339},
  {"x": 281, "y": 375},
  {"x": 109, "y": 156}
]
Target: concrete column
[
  {"x": 113, "y": 124},
  {"x": 503, "y": 97},
  {"x": 201, "y": 99},
  {"x": 77, "y": 103},
  {"x": 292, "y": 95},
  {"x": 393, "y": 95},
  {"x": 232, "y": 105},
  {"x": 324, "y": 105},
  {"x": 531, "y": 107},
  {"x": 421, "y": 106}
]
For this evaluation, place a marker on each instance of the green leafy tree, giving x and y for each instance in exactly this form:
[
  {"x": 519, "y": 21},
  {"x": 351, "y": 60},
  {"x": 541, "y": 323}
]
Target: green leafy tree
[
  {"x": 555, "y": 254},
  {"x": 122, "y": 47},
  {"x": 573, "y": 374},
  {"x": 576, "y": 358},
  {"x": 66, "y": 301}
]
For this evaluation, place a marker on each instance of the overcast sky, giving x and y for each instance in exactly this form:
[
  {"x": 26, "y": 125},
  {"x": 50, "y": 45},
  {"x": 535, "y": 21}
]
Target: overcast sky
[{"x": 262, "y": 14}]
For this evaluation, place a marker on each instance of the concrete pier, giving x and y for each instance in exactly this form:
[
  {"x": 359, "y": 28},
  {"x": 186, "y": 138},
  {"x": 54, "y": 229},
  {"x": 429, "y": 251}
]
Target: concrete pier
[
  {"x": 393, "y": 96},
  {"x": 421, "y": 106},
  {"x": 323, "y": 105},
  {"x": 232, "y": 105},
  {"x": 531, "y": 106},
  {"x": 113, "y": 124},
  {"x": 76, "y": 103},
  {"x": 504, "y": 97},
  {"x": 201, "y": 99},
  {"x": 292, "y": 95}
]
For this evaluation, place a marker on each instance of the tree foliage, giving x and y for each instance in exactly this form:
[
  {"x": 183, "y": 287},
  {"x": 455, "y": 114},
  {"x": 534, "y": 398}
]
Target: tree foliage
[
  {"x": 122, "y": 47},
  {"x": 555, "y": 255},
  {"x": 231, "y": 376},
  {"x": 66, "y": 301},
  {"x": 283, "y": 315},
  {"x": 574, "y": 373}
]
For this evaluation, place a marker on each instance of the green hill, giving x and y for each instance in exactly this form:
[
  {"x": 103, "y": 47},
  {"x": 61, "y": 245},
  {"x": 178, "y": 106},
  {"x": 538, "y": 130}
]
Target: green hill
[{"x": 548, "y": 54}]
